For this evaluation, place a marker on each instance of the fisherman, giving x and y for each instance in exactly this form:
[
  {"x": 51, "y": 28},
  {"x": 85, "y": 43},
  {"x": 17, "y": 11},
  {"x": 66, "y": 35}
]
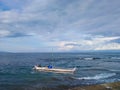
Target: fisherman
[
  {"x": 49, "y": 66},
  {"x": 39, "y": 65}
]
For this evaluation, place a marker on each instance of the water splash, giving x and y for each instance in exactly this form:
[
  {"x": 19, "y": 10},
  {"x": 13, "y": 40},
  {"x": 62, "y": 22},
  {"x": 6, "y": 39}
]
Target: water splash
[{"x": 99, "y": 76}]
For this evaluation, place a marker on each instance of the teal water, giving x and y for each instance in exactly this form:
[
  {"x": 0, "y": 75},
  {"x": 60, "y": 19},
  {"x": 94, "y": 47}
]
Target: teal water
[{"x": 16, "y": 71}]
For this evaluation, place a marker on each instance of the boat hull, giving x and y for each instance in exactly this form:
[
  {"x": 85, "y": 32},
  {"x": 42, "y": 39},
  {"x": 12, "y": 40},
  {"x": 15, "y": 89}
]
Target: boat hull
[{"x": 46, "y": 69}]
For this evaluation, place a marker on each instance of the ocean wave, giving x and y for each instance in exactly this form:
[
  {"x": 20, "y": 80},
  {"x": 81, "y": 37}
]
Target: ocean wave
[
  {"x": 99, "y": 76},
  {"x": 90, "y": 58},
  {"x": 115, "y": 57},
  {"x": 114, "y": 70}
]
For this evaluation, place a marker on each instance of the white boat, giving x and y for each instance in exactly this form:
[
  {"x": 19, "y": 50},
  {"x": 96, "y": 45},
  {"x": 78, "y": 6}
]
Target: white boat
[{"x": 57, "y": 70}]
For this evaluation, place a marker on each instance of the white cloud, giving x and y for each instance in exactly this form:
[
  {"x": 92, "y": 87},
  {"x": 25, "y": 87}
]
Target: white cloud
[
  {"x": 96, "y": 43},
  {"x": 4, "y": 33},
  {"x": 109, "y": 46},
  {"x": 103, "y": 40},
  {"x": 62, "y": 45}
]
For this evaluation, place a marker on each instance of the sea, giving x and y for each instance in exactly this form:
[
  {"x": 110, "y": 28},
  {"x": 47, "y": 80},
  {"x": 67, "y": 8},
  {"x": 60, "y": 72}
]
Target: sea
[{"x": 17, "y": 73}]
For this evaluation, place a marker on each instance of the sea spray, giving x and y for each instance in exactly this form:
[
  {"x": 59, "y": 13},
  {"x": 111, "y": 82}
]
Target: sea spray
[{"x": 99, "y": 76}]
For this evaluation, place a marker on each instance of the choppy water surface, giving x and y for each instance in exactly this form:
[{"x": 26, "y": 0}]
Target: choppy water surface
[{"x": 16, "y": 71}]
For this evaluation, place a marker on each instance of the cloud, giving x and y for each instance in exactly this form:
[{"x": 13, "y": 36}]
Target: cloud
[
  {"x": 72, "y": 44},
  {"x": 50, "y": 16},
  {"x": 8, "y": 34},
  {"x": 110, "y": 46},
  {"x": 116, "y": 40},
  {"x": 66, "y": 45},
  {"x": 64, "y": 24},
  {"x": 14, "y": 35},
  {"x": 4, "y": 33},
  {"x": 96, "y": 43}
]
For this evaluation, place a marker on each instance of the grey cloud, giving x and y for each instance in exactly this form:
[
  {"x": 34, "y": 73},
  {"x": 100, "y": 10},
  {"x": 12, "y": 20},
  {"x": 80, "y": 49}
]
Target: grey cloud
[
  {"x": 116, "y": 40},
  {"x": 15, "y": 35},
  {"x": 73, "y": 44},
  {"x": 54, "y": 17}
]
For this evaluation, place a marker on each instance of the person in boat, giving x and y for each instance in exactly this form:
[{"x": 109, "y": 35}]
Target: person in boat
[
  {"x": 39, "y": 65},
  {"x": 49, "y": 66}
]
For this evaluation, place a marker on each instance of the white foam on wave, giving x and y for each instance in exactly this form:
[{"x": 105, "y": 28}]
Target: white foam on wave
[
  {"x": 88, "y": 58},
  {"x": 99, "y": 76},
  {"x": 113, "y": 70},
  {"x": 115, "y": 57}
]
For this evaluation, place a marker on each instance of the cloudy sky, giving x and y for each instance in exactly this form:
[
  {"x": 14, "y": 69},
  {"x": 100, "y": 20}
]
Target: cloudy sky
[{"x": 59, "y": 25}]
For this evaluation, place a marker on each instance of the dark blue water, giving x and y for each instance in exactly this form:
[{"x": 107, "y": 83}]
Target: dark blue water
[{"x": 16, "y": 71}]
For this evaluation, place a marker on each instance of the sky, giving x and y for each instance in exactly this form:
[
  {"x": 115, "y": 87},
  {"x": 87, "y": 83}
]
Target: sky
[{"x": 59, "y": 25}]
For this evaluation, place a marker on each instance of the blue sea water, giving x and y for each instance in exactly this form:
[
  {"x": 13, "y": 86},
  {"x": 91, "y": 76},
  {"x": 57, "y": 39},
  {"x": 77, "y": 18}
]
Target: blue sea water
[{"x": 16, "y": 71}]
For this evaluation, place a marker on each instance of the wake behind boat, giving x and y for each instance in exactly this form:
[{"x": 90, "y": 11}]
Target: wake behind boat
[{"x": 57, "y": 70}]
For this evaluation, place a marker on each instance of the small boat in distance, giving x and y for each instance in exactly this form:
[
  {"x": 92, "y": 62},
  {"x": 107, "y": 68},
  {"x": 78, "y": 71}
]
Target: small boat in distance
[{"x": 56, "y": 70}]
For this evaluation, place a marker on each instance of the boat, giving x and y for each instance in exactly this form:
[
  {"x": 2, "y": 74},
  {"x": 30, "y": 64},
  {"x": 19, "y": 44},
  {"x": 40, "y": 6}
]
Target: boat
[{"x": 57, "y": 70}]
